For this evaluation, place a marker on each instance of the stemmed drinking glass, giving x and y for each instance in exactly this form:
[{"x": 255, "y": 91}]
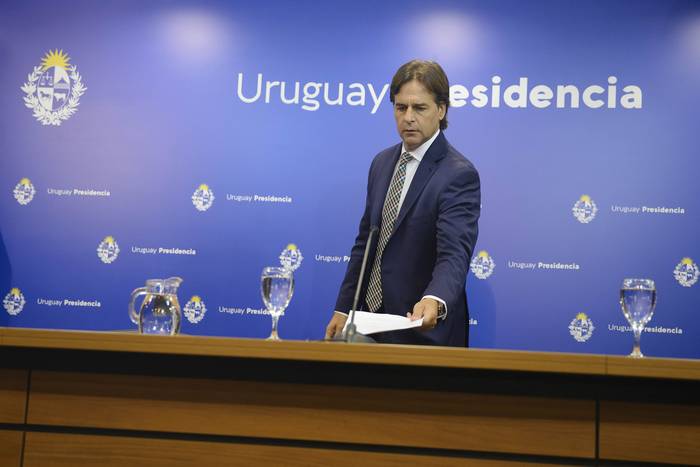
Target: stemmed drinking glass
[
  {"x": 638, "y": 299},
  {"x": 276, "y": 287}
]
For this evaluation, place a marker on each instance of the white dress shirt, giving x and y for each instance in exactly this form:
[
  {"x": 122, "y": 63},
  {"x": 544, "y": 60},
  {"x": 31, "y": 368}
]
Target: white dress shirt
[{"x": 412, "y": 165}]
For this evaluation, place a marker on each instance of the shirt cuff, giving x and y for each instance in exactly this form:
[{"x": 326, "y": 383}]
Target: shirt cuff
[
  {"x": 341, "y": 313},
  {"x": 444, "y": 313}
]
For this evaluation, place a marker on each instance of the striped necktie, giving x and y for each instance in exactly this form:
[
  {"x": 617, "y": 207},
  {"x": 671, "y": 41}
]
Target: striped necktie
[{"x": 389, "y": 213}]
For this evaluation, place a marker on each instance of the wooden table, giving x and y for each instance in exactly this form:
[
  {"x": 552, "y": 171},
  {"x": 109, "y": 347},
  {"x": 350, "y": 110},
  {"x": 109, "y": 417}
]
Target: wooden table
[{"x": 71, "y": 398}]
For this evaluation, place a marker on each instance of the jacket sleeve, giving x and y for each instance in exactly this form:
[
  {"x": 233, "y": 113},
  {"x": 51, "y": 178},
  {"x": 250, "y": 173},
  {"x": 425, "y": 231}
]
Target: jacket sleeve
[{"x": 456, "y": 231}]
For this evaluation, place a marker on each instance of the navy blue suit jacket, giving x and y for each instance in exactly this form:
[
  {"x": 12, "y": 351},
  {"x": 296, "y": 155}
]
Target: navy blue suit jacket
[{"x": 430, "y": 247}]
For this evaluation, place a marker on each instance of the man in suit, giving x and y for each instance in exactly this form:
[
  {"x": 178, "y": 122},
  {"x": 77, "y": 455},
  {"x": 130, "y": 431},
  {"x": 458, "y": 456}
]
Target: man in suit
[{"x": 425, "y": 198}]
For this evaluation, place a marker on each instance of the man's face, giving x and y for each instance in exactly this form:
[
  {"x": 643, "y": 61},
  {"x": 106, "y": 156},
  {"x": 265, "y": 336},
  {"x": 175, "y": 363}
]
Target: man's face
[{"x": 416, "y": 113}]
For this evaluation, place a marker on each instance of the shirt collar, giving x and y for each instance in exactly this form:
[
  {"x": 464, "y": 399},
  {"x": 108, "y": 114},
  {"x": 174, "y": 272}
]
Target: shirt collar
[{"x": 420, "y": 151}]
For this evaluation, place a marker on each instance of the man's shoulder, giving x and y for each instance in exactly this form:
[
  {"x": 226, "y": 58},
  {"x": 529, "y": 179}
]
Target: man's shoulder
[
  {"x": 385, "y": 156},
  {"x": 457, "y": 161},
  {"x": 388, "y": 152}
]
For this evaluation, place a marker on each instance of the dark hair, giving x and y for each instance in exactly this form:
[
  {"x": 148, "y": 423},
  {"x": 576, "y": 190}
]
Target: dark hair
[{"x": 429, "y": 74}]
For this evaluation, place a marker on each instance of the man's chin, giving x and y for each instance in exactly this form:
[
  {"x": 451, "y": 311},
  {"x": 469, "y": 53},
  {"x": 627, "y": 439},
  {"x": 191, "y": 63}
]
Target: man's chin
[{"x": 412, "y": 141}]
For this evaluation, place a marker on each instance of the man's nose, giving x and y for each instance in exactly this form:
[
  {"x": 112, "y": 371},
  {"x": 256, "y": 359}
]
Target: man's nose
[{"x": 409, "y": 115}]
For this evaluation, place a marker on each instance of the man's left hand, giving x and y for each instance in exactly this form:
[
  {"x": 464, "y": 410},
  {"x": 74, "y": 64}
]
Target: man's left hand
[{"x": 426, "y": 309}]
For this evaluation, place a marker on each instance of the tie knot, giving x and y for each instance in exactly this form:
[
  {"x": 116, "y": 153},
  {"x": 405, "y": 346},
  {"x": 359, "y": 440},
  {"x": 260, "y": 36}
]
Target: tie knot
[{"x": 406, "y": 158}]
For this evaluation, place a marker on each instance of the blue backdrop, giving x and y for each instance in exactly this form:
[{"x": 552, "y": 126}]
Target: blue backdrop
[{"x": 202, "y": 138}]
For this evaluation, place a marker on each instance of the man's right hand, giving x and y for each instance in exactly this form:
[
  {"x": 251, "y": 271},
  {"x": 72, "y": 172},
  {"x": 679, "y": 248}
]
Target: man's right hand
[{"x": 336, "y": 325}]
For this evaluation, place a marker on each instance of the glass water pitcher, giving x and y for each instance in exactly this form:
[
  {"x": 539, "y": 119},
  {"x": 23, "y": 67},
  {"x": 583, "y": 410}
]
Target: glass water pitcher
[{"x": 160, "y": 311}]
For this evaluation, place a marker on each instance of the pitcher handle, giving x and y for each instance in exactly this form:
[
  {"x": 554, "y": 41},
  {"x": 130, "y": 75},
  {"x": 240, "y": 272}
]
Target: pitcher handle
[{"x": 132, "y": 311}]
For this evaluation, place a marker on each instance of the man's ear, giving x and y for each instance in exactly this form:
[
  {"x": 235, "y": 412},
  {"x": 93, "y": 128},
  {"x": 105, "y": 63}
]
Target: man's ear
[{"x": 442, "y": 110}]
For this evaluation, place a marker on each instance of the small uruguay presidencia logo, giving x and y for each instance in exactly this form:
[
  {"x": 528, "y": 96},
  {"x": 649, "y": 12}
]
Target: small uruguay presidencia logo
[
  {"x": 53, "y": 89},
  {"x": 195, "y": 309},
  {"x": 203, "y": 197},
  {"x": 581, "y": 328},
  {"x": 14, "y": 302},
  {"x": 291, "y": 257},
  {"x": 686, "y": 272},
  {"x": 584, "y": 209},
  {"x": 108, "y": 250},
  {"x": 24, "y": 192},
  {"x": 482, "y": 265}
]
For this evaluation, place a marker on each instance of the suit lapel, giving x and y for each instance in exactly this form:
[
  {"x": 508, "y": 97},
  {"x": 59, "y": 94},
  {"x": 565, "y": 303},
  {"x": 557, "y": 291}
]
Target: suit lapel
[{"x": 426, "y": 169}]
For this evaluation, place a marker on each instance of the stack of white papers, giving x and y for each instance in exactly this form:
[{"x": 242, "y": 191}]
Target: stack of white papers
[{"x": 369, "y": 323}]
